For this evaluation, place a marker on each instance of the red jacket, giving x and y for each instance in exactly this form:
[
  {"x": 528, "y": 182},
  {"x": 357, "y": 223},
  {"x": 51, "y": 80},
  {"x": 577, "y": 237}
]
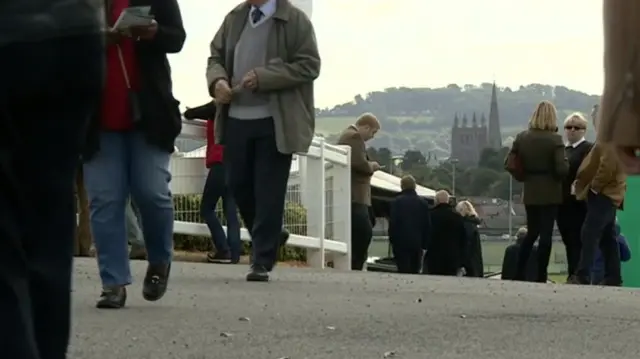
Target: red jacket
[
  {"x": 116, "y": 111},
  {"x": 214, "y": 152}
]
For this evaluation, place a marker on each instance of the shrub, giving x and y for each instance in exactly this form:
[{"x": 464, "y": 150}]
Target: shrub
[{"x": 187, "y": 208}]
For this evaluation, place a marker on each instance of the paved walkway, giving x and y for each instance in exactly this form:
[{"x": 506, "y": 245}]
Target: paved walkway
[{"x": 210, "y": 312}]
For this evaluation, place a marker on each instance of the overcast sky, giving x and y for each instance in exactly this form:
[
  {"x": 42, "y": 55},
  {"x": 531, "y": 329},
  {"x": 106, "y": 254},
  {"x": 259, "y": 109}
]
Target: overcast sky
[{"x": 368, "y": 45}]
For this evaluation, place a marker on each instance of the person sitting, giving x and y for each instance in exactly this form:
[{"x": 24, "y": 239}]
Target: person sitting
[
  {"x": 597, "y": 271},
  {"x": 446, "y": 247},
  {"x": 409, "y": 227},
  {"x": 473, "y": 263},
  {"x": 510, "y": 260}
]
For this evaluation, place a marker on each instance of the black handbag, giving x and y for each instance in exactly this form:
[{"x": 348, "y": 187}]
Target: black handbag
[{"x": 132, "y": 96}]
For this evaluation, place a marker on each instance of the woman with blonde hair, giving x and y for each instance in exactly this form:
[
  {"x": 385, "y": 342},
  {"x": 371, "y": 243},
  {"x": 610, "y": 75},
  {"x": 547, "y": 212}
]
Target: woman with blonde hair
[
  {"x": 572, "y": 212},
  {"x": 472, "y": 262},
  {"x": 537, "y": 159}
]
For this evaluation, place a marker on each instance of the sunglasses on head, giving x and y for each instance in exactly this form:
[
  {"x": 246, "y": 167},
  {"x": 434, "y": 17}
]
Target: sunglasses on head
[{"x": 577, "y": 128}]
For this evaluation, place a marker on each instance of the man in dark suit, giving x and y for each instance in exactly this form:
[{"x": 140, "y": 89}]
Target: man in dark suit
[
  {"x": 266, "y": 51},
  {"x": 355, "y": 136},
  {"x": 44, "y": 109},
  {"x": 409, "y": 227},
  {"x": 572, "y": 212},
  {"x": 447, "y": 246}
]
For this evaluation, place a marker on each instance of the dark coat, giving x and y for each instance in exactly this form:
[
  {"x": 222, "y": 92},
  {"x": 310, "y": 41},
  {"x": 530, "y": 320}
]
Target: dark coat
[
  {"x": 161, "y": 121},
  {"x": 541, "y": 154},
  {"x": 473, "y": 264},
  {"x": 447, "y": 246},
  {"x": 409, "y": 223},
  {"x": 510, "y": 261},
  {"x": 37, "y": 20}
]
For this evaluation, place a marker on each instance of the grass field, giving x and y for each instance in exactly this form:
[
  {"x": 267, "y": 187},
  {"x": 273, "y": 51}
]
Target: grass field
[{"x": 492, "y": 253}]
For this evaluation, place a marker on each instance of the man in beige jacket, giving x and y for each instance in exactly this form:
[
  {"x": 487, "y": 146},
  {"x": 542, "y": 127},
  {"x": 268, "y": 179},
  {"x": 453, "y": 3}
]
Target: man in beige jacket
[
  {"x": 601, "y": 182},
  {"x": 362, "y": 169},
  {"x": 265, "y": 51}
]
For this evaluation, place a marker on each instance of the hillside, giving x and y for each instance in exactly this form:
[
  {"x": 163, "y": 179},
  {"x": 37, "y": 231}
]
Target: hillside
[{"x": 421, "y": 118}]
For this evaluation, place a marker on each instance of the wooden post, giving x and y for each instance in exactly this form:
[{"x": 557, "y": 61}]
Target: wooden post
[{"x": 83, "y": 239}]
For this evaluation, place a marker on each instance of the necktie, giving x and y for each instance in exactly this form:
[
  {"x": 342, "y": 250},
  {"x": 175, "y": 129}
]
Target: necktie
[{"x": 256, "y": 15}]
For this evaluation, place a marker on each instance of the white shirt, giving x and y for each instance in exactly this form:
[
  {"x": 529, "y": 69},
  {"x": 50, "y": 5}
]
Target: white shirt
[
  {"x": 268, "y": 9},
  {"x": 577, "y": 143}
]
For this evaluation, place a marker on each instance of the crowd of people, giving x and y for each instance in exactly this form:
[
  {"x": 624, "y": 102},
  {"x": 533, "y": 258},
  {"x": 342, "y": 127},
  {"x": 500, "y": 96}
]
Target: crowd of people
[{"x": 579, "y": 185}]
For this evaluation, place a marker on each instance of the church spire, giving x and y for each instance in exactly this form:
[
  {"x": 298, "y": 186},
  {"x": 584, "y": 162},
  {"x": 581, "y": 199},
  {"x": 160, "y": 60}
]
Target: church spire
[{"x": 494, "y": 133}]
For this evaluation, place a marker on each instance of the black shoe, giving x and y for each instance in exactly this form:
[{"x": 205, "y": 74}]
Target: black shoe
[
  {"x": 607, "y": 282},
  {"x": 112, "y": 298},
  {"x": 219, "y": 257},
  {"x": 155, "y": 281},
  {"x": 258, "y": 273}
]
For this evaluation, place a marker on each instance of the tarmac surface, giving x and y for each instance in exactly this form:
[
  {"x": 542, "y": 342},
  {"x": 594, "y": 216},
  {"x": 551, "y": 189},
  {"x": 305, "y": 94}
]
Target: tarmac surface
[{"x": 210, "y": 312}]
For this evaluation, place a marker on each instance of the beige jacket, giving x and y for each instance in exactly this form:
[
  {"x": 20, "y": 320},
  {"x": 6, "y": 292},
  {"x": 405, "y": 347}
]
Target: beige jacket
[{"x": 293, "y": 63}]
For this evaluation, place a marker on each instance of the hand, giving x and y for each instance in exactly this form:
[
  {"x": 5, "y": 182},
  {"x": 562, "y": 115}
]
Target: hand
[
  {"x": 113, "y": 37},
  {"x": 250, "y": 80},
  {"x": 573, "y": 187},
  {"x": 222, "y": 92},
  {"x": 144, "y": 32},
  {"x": 461, "y": 272},
  {"x": 375, "y": 166}
]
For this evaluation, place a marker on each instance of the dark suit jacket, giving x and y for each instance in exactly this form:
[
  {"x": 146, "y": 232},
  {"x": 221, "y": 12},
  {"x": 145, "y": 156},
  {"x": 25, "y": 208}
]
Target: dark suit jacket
[
  {"x": 409, "y": 223},
  {"x": 544, "y": 164},
  {"x": 361, "y": 170},
  {"x": 473, "y": 262},
  {"x": 447, "y": 246},
  {"x": 161, "y": 120}
]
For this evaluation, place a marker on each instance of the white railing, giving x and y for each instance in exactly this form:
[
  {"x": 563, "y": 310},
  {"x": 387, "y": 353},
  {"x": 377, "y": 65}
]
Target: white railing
[{"x": 319, "y": 193}]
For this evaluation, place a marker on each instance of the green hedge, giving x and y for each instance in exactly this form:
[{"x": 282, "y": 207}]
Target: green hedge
[{"x": 187, "y": 208}]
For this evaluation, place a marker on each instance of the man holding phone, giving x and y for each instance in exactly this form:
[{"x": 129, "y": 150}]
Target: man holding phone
[{"x": 355, "y": 136}]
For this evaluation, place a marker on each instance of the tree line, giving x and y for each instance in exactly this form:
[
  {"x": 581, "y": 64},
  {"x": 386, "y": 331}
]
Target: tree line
[{"x": 487, "y": 179}]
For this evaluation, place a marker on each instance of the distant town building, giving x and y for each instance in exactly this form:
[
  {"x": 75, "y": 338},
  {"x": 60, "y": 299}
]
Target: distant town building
[{"x": 469, "y": 140}]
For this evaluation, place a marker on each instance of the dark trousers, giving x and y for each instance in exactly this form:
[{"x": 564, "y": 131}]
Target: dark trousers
[
  {"x": 408, "y": 260},
  {"x": 571, "y": 215},
  {"x": 361, "y": 233},
  {"x": 540, "y": 219},
  {"x": 257, "y": 174},
  {"x": 215, "y": 189},
  {"x": 48, "y": 92},
  {"x": 598, "y": 230}
]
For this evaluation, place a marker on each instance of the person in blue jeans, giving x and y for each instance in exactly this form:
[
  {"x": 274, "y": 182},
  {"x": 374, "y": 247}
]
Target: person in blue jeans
[
  {"x": 227, "y": 246},
  {"x": 597, "y": 271},
  {"x": 128, "y": 148}
]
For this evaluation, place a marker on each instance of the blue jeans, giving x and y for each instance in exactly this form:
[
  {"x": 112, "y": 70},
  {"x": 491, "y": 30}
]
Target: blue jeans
[
  {"x": 214, "y": 189},
  {"x": 127, "y": 165}
]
